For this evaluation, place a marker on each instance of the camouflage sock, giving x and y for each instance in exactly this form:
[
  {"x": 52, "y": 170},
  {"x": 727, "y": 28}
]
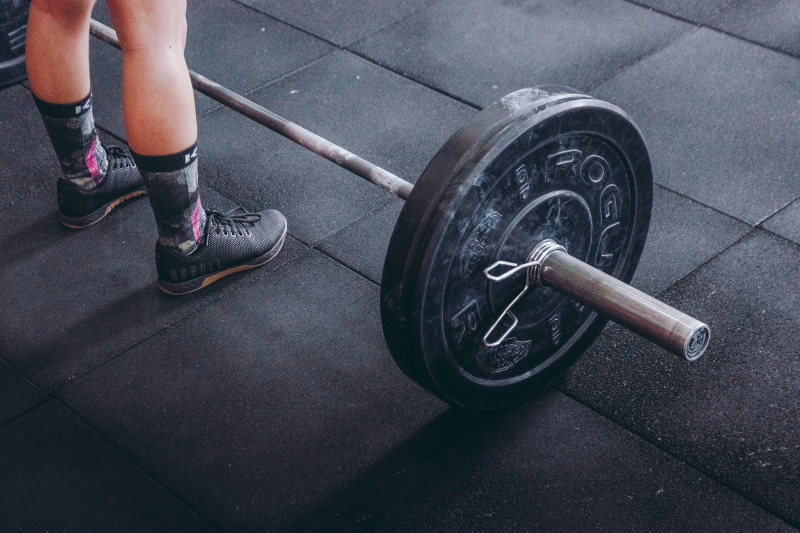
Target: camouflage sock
[
  {"x": 74, "y": 138},
  {"x": 171, "y": 182}
]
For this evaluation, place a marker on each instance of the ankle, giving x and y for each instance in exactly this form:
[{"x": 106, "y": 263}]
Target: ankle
[
  {"x": 172, "y": 185},
  {"x": 71, "y": 130}
]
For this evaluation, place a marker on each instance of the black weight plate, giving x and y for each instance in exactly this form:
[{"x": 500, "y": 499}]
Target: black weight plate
[
  {"x": 405, "y": 247},
  {"x": 13, "y": 20},
  {"x": 542, "y": 163}
]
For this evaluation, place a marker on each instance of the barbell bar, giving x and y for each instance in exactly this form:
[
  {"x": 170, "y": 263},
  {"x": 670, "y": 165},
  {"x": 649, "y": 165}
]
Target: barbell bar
[
  {"x": 286, "y": 128},
  {"x": 456, "y": 315}
]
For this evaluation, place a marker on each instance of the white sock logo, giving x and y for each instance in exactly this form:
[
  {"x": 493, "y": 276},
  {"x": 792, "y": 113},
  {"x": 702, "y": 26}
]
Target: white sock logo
[
  {"x": 85, "y": 107},
  {"x": 191, "y": 157}
]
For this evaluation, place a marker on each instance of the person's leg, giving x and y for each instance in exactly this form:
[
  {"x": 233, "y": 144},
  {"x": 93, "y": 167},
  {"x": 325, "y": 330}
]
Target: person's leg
[
  {"x": 93, "y": 180},
  {"x": 158, "y": 101},
  {"x": 57, "y": 49},
  {"x": 160, "y": 121},
  {"x": 195, "y": 247}
]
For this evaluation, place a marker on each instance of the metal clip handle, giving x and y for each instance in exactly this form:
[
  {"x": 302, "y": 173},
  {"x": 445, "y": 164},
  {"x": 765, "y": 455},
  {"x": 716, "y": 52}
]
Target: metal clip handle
[
  {"x": 533, "y": 267},
  {"x": 507, "y": 311},
  {"x": 508, "y": 273}
]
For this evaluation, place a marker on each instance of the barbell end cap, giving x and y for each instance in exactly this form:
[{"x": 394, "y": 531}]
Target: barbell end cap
[{"x": 697, "y": 343}]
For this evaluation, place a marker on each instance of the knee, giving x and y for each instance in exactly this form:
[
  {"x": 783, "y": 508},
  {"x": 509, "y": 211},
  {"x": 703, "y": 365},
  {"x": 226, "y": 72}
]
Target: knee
[
  {"x": 159, "y": 28},
  {"x": 66, "y": 12}
]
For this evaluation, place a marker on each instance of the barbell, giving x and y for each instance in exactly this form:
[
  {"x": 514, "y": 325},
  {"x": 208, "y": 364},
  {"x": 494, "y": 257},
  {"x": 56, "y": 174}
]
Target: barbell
[{"x": 515, "y": 246}]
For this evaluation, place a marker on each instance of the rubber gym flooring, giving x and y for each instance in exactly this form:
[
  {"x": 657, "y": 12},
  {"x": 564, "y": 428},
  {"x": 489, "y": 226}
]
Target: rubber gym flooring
[{"x": 269, "y": 402}]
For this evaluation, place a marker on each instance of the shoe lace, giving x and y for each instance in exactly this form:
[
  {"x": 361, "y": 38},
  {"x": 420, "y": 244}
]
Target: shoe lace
[
  {"x": 118, "y": 158},
  {"x": 236, "y": 220}
]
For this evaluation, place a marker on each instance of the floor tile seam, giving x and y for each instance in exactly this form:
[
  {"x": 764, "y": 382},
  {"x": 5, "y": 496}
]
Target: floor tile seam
[
  {"x": 28, "y": 379},
  {"x": 705, "y": 205},
  {"x": 714, "y": 26},
  {"x": 155, "y": 333},
  {"x": 766, "y": 218},
  {"x": 334, "y": 233},
  {"x": 287, "y": 23},
  {"x": 325, "y": 39},
  {"x": 427, "y": 4},
  {"x": 132, "y": 459},
  {"x": 355, "y": 271},
  {"x": 30, "y": 409},
  {"x": 644, "y": 57},
  {"x": 234, "y": 289},
  {"x": 249, "y": 92},
  {"x": 752, "y": 42},
  {"x": 124, "y": 350},
  {"x": 348, "y": 226},
  {"x": 246, "y": 92},
  {"x": 476, "y": 105},
  {"x": 430, "y": 86},
  {"x": 777, "y": 235},
  {"x": 696, "y": 467},
  {"x": 11, "y": 86},
  {"x": 21, "y": 374},
  {"x": 387, "y": 68},
  {"x": 60, "y": 385},
  {"x": 259, "y": 86},
  {"x": 661, "y": 294},
  {"x": 674, "y": 16},
  {"x": 468, "y": 430},
  {"x": 314, "y": 246},
  {"x": 350, "y": 47}
]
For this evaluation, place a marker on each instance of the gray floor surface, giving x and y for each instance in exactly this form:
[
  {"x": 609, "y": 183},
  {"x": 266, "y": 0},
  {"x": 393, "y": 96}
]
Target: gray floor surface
[{"x": 270, "y": 402}]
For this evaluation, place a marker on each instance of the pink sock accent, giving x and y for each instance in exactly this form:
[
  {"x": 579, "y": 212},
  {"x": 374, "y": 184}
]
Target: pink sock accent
[
  {"x": 198, "y": 235},
  {"x": 91, "y": 162}
]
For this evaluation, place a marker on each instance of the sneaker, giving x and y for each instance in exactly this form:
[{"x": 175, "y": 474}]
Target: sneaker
[
  {"x": 233, "y": 241},
  {"x": 79, "y": 208}
]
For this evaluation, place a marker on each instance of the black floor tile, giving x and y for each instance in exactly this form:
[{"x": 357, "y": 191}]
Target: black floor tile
[
  {"x": 775, "y": 24},
  {"x": 362, "y": 245},
  {"x": 552, "y": 465},
  {"x": 75, "y": 299},
  {"x": 700, "y": 12},
  {"x": 227, "y": 42},
  {"x": 28, "y": 164},
  {"x": 17, "y": 394},
  {"x": 733, "y": 413},
  {"x": 786, "y": 222},
  {"x": 270, "y": 402},
  {"x": 275, "y": 401},
  {"x": 397, "y": 124},
  {"x": 725, "y": 139},
  {"x": 342, "y": 21},
  {"x": 683, "y": 235},
  {"x": 58, "y": 475},
  {"x": 481, "y": 50}
]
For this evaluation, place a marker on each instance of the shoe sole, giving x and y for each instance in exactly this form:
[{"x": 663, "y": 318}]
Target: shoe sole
[
  {"x": 194, "y": 285},
  {"x": 93, "y": 218}
]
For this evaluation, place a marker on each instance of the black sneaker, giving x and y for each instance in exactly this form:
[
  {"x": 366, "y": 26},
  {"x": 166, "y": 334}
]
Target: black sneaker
[
  {"x": 233, "y": 242},
  {"x": 79, "y": 208}
]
